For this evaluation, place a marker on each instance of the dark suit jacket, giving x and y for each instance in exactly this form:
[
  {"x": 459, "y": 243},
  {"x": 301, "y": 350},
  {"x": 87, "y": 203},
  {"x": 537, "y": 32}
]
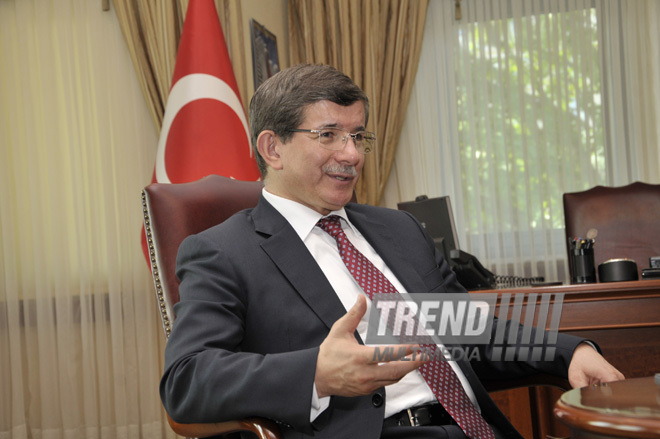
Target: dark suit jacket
[{"x": 255, "y": 307}]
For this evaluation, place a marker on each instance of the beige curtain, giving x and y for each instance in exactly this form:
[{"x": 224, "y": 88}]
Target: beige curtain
[
  {"x": 152, "y": 29},
  {"x": 80, "y": 340},
  {"x": 375, "y": 42}
]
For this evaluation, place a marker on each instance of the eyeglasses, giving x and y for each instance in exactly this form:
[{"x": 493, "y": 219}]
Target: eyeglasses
[{"x": 335, "y": 139}]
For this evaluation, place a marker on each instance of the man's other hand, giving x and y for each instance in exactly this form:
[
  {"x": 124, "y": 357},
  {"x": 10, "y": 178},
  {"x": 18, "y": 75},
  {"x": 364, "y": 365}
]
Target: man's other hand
[
  {"x": 589, "y": 367},
  {"x": 346, "y": 368}
]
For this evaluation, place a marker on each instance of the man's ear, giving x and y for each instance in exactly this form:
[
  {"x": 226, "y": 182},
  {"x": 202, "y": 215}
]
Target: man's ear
[{"x": 268, "y": 144}]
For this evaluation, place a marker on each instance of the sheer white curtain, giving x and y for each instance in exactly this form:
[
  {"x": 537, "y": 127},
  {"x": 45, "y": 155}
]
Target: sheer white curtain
[
  {"x": 80, "y": 340},
  {"x": 520, "y": 101},
  {"x": 631, "y": 62}
]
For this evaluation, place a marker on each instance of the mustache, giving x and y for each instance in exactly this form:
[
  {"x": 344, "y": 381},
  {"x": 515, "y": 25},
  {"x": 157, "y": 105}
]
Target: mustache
[{"x": 340, "y": 169}]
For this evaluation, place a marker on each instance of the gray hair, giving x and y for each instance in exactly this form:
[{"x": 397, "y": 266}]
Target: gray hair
[{"x": 279, "y": 103}]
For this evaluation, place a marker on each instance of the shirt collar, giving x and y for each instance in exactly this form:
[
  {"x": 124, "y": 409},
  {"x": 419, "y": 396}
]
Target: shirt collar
[{"x": 302, "y": 218}]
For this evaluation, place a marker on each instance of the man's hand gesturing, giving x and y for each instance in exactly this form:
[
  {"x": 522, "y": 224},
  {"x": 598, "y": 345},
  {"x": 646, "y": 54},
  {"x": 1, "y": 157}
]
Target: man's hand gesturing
[{"x": 346, "y": 368}]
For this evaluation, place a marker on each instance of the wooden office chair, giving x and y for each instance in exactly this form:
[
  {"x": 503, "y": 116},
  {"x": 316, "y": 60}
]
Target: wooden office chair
[
  {"x": 625, "y": 217},
  {"x": 171, "y": 213}
]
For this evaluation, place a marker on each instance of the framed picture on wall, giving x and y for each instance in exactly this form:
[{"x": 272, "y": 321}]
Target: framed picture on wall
[{"x": 265, "y": 61}]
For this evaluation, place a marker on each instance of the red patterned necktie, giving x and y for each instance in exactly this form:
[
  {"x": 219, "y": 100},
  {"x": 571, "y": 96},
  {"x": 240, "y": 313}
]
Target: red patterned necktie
[{"x": 438, "y": 374}]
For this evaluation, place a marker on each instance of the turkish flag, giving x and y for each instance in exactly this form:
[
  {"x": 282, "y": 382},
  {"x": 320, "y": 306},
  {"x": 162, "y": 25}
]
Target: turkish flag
[{"x": 204, "y": 130}]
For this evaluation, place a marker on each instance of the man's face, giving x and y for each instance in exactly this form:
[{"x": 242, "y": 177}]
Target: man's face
[{"x": 316, "y": 177}]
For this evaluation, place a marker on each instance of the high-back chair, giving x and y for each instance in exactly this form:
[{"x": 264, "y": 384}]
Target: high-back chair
[
  {"x": 171, "y": 213},
  {"x": 626, "y": 219}
]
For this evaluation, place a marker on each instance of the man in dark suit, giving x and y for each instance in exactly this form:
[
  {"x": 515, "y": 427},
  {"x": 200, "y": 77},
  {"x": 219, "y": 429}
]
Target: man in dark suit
[{"x": 271, "y": 320}]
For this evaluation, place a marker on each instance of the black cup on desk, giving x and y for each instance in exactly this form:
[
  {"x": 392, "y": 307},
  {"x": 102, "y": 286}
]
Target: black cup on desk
[{"x": 583, "y": 268}]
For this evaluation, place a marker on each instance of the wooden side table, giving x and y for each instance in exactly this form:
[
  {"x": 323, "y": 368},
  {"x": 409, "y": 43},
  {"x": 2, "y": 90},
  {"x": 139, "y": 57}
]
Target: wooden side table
[{"x": 623, "y": 409}]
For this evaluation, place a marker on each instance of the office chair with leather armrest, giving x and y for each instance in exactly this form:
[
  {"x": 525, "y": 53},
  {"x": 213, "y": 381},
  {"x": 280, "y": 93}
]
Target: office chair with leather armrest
[
  {"x": 171, "y": 213},
  {"x": 625, "y": 217}
]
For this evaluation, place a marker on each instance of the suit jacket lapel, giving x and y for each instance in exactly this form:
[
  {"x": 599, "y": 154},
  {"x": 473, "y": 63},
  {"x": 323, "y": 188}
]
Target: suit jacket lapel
[
  {"x": 289, "y": 253},
  {"x": 381, "y": 239}
]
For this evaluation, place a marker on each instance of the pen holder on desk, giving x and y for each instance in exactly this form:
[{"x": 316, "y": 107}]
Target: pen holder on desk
[{"x": 583, "y": 268}]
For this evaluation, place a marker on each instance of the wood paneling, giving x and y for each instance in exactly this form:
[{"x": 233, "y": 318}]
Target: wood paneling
[{"x": 624, "y": 409}]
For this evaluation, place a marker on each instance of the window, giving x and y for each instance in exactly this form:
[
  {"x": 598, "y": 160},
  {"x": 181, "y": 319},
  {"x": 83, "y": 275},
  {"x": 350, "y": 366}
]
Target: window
[{"x": 530, "y": 125}]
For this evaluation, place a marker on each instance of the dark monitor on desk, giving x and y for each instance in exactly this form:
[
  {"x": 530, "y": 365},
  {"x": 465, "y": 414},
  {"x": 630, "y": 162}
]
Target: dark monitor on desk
[{"x": 437, "y": 218}]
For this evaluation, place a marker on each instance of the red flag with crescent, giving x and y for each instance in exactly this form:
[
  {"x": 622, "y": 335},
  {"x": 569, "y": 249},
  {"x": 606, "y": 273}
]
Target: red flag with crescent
[{"x": 205, "y": 130}]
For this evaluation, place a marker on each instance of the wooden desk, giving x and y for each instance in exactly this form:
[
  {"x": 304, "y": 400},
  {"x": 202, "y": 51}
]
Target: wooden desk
[
  {"x": 624, "y": 409},
  {"x": 623, "y": 318}
]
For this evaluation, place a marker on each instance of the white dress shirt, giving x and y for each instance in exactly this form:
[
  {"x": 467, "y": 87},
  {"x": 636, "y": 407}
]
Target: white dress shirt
[{"x": 411, "y": 390}]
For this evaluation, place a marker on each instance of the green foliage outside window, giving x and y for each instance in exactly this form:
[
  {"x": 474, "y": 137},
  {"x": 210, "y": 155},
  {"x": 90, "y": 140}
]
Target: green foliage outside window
[{"x": 530, "y": 118}]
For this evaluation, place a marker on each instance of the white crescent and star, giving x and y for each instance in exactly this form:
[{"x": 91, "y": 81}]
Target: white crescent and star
[{"x": 188, "y": 89}]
